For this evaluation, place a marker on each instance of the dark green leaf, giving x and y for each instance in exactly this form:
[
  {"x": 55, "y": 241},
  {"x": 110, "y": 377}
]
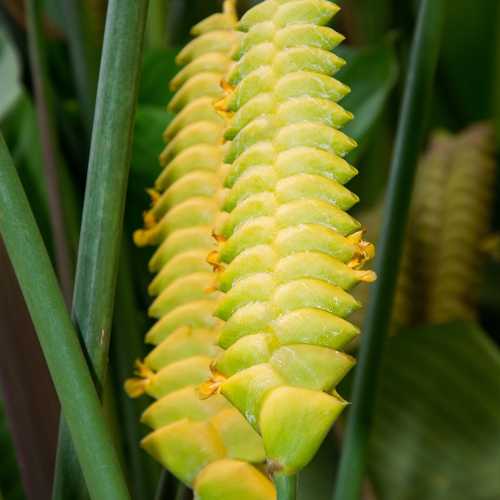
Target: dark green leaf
[
  {"x": 316, "y": 480},
  {"x": 10, "y": 73},
  {"x": 437, "y": 422},
  {"x": 468, "y": 56},
  {"x": 371, "y": 73},
  {"x": 150, "y": 122},
  {"x": 158, "y": 69},
  {"x": 23, "y": 138}
]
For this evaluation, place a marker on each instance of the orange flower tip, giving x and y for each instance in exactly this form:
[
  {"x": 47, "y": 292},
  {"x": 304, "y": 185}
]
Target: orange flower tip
[
  {"x": 149, "y": 219},
  {"x": 208, "y": 389},
  {"x": 219, "y": 238},
  {"x": 219, "y": 269},
  {"x": 356, "y": 238},
  {"x": 364, "y": 253},
  {"x": 213, "y": 258},
  {"x": 221, "y": 107},
  {"x": 226, "y": 86},
  {"x": 142, "y": 370},
  {"x": 154, "y": 195},
  {"x": 136, "y": 386},
  {"x": 368, "y": 250},
  {"x": 211, "y": 288},
  {"x": 367, "y": 276},
  {"x": 161, "y": 159},
  {"x": 213, "y": 385},
  {"x": 141, "y": 237}
]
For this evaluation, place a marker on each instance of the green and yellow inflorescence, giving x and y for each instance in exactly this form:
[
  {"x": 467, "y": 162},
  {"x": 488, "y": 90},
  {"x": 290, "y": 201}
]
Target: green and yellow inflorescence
[
  {"x": 248, "y": 357},
  {"x": 207, "y": 444},
  {"x": 449, "y": 224},
  {"x": 287, "y": 251}
]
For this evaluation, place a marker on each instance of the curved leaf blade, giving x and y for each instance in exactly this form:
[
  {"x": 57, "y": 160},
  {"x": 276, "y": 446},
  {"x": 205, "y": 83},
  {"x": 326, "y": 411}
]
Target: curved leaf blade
[{"x": 437, "y": 421}]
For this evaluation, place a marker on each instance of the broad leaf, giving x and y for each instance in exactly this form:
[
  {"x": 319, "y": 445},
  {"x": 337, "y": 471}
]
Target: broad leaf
[{"x": 437, "y": 424}]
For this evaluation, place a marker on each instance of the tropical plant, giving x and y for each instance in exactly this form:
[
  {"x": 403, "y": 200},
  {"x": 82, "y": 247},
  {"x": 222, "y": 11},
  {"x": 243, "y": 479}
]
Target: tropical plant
[{"x": 257, "y": 263}]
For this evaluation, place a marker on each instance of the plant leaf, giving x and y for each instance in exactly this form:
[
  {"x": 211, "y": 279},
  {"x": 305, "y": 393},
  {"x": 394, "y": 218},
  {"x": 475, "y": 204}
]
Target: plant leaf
[
  {"x": 10, "y": 74},
  {"x": 467, "y": 57},
  {"x": 22, "y": 136},
  {"x": 371, "y": 72},
  {"x": 316, "y": 480},
  {"x": 150, "y": 122},
  {"x": 437, "y": 421},
  {"x": 157, "y": 70}
]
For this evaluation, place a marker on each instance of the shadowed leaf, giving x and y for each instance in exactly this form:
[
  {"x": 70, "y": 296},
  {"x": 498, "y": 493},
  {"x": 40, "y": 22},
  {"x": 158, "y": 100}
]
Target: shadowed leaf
[{"x": 437, "y": 422}]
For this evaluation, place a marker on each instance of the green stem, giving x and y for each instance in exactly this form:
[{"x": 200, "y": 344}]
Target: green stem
[
  {"x": 101, "y": 233},
  {"x": 109, "y": 162},
  {"x": 286, "y": 487},
  {"x": 79, "y": 401},
  {"x": 411, "y": 128},
  {"x": 50, "y": 147},
  {"x": 84, "y": 31}
]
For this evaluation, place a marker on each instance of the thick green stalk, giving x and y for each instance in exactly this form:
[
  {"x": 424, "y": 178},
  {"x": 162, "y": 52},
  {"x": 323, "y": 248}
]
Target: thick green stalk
[
  {"x": 50, "y": 147},
  {"x": 286, "y": 487},
  {"x": 100, "y": 236},
  {"x": 57, "y": 336},
  {"x": 418, "y": 93},
  {"x": 84, "y": 32}
]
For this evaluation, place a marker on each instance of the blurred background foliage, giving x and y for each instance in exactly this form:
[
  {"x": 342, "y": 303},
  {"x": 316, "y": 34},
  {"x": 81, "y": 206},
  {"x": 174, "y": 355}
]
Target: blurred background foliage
[{"x": 437, "y": 429}]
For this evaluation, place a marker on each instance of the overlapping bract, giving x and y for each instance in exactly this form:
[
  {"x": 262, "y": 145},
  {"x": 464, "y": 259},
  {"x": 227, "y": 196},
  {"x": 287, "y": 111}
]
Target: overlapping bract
[
  {"x": 288, "y": 252},
  {"x": 207, "y": 443}
]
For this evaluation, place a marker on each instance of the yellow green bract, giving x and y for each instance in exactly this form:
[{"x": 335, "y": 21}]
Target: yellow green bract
[
  {"x": 287, "y": 251},
  {"x": 206, "y": 443}
]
